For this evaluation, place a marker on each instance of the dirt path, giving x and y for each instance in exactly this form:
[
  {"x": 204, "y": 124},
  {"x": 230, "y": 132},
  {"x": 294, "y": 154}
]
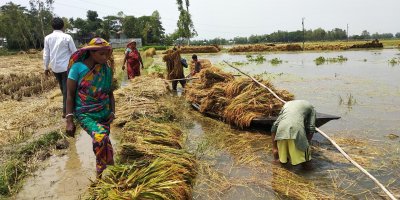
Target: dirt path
[{"x": 64, "y": 177}]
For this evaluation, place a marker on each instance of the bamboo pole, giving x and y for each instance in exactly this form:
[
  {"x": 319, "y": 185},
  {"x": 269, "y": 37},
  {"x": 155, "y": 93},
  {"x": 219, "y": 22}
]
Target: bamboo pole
[{"x": 390, "y": 195}]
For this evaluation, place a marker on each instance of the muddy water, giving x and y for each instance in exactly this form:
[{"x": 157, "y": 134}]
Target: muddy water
[
  {"x": 64, "y": 176},
  {"x": 367, "y": 76},
  {"x": 372, "y": 114}
]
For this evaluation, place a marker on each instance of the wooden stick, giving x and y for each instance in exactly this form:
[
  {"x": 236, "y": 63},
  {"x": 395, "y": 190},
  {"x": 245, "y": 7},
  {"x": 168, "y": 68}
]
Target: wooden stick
[
  {"x": 181, "y": 79},
  {"x": 391, "y": 196},
  {"x": 262, "y": 85}
]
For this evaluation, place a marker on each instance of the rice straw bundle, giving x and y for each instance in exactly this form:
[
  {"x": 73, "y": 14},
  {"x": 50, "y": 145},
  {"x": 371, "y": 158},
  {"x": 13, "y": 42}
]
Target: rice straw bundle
[
  {"x": 236, "y": 101},
  {"x": 197, "y": 49},
  {"x": 150, "y": 52},
  {"x": 174, "y": 65}
]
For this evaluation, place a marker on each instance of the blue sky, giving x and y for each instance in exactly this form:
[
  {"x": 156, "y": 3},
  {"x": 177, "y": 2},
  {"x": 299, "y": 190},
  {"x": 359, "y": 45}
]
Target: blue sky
[{"x": 227, "y": 19}]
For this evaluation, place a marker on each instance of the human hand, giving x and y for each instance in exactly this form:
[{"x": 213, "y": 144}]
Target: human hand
[
  {"x": 112, "y": 117},
  {"x": 70, "y": 129}
]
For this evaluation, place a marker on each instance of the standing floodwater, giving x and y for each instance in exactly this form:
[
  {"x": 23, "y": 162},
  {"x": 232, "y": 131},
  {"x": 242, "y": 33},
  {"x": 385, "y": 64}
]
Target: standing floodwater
[{"x": 364, "y": 91}]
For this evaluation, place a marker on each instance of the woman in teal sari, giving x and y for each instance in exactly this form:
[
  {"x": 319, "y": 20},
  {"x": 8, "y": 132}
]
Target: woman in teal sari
[{"x": 90, "y": 98}]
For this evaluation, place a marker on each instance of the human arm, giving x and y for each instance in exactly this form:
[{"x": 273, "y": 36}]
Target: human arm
[
  {"x": 112, "y": 104},
  {"x": 71, "y": 46},
  {"x": 71, "y": 91},
  {"x": 141, "y": 61},
  {"x": 310, "y": 126},
  {"x": 46, "y": 57},
  {"x": 123, "y": 63}
]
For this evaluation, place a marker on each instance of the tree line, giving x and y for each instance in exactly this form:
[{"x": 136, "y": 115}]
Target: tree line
[
  {"x": 26, "y": 28},
  {"x": 318, "y": 34}
]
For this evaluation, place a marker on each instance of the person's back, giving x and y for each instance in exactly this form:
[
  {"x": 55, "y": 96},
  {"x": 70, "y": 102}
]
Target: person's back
[
  {"x": 293, "y": 130},
  {"x": 292, "y": 118},
  {"x": 58, "y": 48},
  {"x": 57, "y": 51}
]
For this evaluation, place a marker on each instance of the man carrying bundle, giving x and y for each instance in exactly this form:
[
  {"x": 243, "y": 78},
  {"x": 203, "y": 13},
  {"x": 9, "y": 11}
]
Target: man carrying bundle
[
  {"x": 292, "y": 132},
  {"x": 175, "y": 68}
]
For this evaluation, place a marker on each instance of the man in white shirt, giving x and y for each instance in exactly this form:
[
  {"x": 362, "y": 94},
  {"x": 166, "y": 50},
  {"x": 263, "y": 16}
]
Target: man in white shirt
[{"x": 58, "y": 48}]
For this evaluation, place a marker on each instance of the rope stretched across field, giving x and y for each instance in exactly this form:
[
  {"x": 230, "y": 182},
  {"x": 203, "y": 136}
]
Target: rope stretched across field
[{"x": 391, "y": 196}]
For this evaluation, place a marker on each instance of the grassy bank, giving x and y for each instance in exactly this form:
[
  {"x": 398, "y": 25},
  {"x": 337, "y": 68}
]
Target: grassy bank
[{"x": 22, "y": 161}]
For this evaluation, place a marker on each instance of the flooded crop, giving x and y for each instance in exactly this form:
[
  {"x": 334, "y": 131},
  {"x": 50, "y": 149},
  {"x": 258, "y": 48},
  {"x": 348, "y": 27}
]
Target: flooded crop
[{"x": 322, "y": 60}]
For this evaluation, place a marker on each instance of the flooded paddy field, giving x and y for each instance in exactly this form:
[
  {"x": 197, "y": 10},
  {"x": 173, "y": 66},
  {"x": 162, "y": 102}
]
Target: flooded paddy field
[
  {"x": 364, "y": 91},
  {"x": 237, "y": 164}
]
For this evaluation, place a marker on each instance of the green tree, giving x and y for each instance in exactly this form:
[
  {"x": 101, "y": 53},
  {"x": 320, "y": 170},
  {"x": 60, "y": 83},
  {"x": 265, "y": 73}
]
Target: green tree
[
  {"x": 157, "y": 30},
  {"x": 185, "y": 23},
  {"x": 40, "y": 17},
  {"x": 14, "y": 25},
  {"x": 365, "y": 34},
  {"x": 93, "y": 23},
  {"x": 318, "y": 34},
  {"x": 130, "y": 27}
]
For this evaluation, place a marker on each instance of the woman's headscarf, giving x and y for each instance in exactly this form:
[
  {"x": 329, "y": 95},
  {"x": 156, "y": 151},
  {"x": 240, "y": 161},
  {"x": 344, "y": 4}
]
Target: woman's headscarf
[
  {"x": 129, "y": 45},
  {"x": 94, "y": 44}
]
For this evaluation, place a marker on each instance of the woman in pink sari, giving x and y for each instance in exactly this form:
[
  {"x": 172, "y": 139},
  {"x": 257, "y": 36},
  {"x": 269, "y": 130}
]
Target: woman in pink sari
[{"x": 133, "y": 60}]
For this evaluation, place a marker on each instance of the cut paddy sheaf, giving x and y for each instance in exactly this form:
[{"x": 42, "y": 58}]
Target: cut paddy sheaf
[
  {"x": 16, "y": 86},
  {"x": 196, "y": 49},
  {"x": 152, "y": 163},
  {"x": 237, "y": 101}
]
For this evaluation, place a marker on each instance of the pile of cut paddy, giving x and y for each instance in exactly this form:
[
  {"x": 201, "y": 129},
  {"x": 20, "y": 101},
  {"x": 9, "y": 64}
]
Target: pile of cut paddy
[
  {"x": 152, "y": 163},
  {"x": 197, "y": 49},
  {"x": 237, "y": 101}
]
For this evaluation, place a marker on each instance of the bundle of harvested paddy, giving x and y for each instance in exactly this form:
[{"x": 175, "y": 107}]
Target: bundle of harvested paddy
[
  {"x": 156, "y": 180},
  {"x": 174, "y": 65},
  {"x": 152, "y": 163},
  {"x": 293, "y": 47},
  {"x": 196, "y": 49},
  {"x": 236, "y": 101},
  {"x": 236, "y": 87},
  {"x": 252, "y": 103},
  {"x": 322, "y": 47},
  {"x": 266, "y": 47},
  {"x": 205, "y": 63},
  {"x": 212, "y": 75},
  {"x": 215, "y": 101},
  {"x": 251, "y": 48},
  {"x": 150, "y": 52},
  {"x": 373, "y": 44}
]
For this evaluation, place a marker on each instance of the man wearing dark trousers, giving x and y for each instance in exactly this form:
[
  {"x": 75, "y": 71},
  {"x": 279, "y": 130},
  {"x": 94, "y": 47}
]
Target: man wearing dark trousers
[{"x": 58, "y": 48}]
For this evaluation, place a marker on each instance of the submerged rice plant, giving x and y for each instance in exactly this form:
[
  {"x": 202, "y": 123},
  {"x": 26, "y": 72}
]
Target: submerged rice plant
[
  {"x": 394, "y": 61},
  {"x": 259, "y": 59},
  {"x": 275, "y": 61},
  {"x": 322, "y": 60}
]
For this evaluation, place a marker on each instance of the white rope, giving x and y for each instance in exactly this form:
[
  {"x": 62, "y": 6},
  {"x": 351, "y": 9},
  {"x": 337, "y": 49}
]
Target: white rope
[{"x": 391, "y": 196}]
